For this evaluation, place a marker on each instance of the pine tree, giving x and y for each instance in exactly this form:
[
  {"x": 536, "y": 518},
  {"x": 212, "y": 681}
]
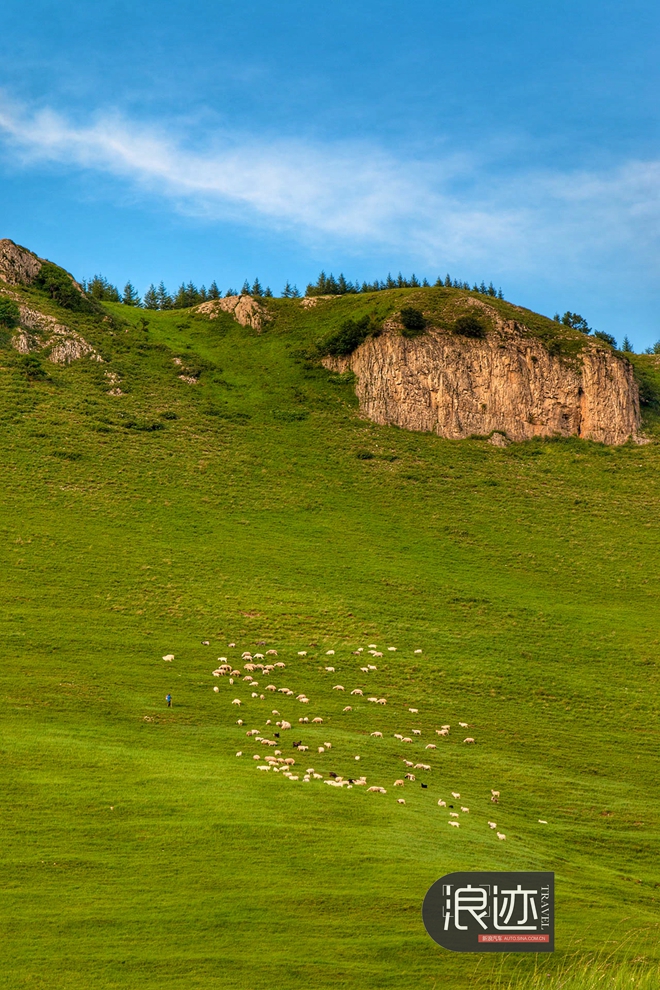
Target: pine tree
[
  {"x": 491, "y": 290},
  {"x": 214, "y": 291},
  {"x": 268, "y": 294},
  {"x": 425, "y": 283},
  {"x": 499, "y": 294},
  {"x": 257, "y": 290},
  {"x": 151, "y": 298},
  {"x": 295, "y": 293},
  {"x": 131, "y": 296},
  {"x": 286, "y": 291},
  {"x": 342, "y": 285},
  {"x": 246, "y": 290},
  {"x": 413, "y": 283},
  {"x": 448, "y": 281},
  {"x": 482, "y": 288},
  {"x": 230, "y": 292},
  {"x": 627, "y": 346},
  {"x": 163, "y": 296},
  {"x": 203, "y": 293}
]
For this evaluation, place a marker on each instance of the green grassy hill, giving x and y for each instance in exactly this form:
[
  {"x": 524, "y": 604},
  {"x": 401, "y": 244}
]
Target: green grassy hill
[{"x": 256, "y": 507}]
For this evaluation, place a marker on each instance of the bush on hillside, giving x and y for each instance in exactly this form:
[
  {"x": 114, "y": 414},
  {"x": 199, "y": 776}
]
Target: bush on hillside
[
  {"x": 413, "y": 321},
  {"x": 469, "y": 326},
  {"x": 59, "y": 285},
  {"x": 348, "y": 337},
  {"x": 32, "y": 368},
  {"x": 607, "y": 338},
  {"x": 10, "y": 314}
]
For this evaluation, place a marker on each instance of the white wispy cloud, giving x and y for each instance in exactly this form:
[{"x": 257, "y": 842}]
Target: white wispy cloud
[{"x": 356, "y": 193}]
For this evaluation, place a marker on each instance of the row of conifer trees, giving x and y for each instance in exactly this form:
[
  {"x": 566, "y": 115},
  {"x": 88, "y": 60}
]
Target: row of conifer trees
[{"x": 157, "y": 297}]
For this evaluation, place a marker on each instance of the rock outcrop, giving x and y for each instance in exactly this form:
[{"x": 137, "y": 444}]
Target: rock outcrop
[
  {"x": 244, "y": 309},
  {"x": 507, "y": 382},
  {"x": 18, "y": 266}
]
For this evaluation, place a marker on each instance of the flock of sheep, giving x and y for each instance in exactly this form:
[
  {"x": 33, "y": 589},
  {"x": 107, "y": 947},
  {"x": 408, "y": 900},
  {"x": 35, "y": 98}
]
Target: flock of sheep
[{"x": 266, "y": 666}]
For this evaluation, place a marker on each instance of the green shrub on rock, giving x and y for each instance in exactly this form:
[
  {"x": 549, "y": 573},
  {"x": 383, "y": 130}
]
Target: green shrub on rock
[
  {"x": 469, "y": 326},
  {"x": 9, "y": 313}
]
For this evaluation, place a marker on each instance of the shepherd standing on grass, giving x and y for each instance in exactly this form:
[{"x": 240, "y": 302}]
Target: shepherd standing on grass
[{"x": 168, "y": 699}]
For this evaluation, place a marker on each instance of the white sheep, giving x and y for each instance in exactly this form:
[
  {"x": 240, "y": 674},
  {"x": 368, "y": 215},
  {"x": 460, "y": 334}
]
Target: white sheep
[
  {"x": 397, "y": 735},
  {"x": 469, "y": 739},
  {"x": 455, "y": 794},
  {"x": 406, "y": 739},
  {"x": 492, "y": 825},
  {"x": 271, "y": 653},
  {"x": 378, "y": 735},
  {"x": 501, "y": 835},
  {"x": 442, "y": 732},
  {"x": 357, "y": 691},
  {"x": 169, "y": 657},
  {"x": 317, "y": 720},
  {"x": 463, "y": 725},
  {"x": 455, "y": 824},
  {"x": 321, "y": 749},
  {"x": 454, "y": 814},
  {"x": 330, "y": 653},
  {"x": 348, "y": 708},
  {"x": 338, "y": 687},
  {"x": 263, "y": 767},
  {"x": 236, "y": 701},
  {"x": 371, "y": 667},
  {"x": 271, "y": 687},
  {"x": 442, "y": 804},
  {"x": 240, "y": 753},
  {"x": 392, "y": 649},
  {"x": 240, "y": 722},
  {"x": 430, "y": 746},
  {"x": 495, "y": 797},
  {"x": 327, "y": 745},
  {"x": 365, "y": 670},
  {"x": 372, "y": 646},
  {"x": 417, "y": 732},
  {"x": 382, "y": 701},
  {"x": 330, "y": 670},
  {"x": 399, "y": 783},
  {"x": 400, "y": 800},
  {"x": 216, "y": 689},
  {"x": 417, "y": 651},
  {"x": 409, "y": 776},
  {"x": 466, "y": 810},
  {"x": 415, "y": 711},
  {"x": 302, "y": 653},
  {"x": 408, "y": 763}
]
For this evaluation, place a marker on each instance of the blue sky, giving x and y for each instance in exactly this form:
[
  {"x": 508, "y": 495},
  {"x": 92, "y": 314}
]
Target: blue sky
[{"x": 506, "y": 141}]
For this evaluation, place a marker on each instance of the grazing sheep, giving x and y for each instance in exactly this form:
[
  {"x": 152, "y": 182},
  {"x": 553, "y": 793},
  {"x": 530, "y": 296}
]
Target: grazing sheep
[
  {"x": 240, "y": 722},
  {"x": 231, "y": 644},
  {"x": 542, "y": 821},
  {"x": 442, "y": 732},
  {"x": 271, "y": 687},
  {"x": 406, "y": 739},
  {"x": 466, "y": 810},
  {"x": 397, "y": 735},
  {"x": 254, "y": 694},
  {"x": 455, "y": 824},
  {"x": 285, "y": 725},
  {"x": 442, "y": 804},
  {"x": 379, "y": 790},
  {"x": 382, "y": 701},
  {"x": 231, "y": 680},
  {"x": 463, "y": 725},
  {"x": 303, "y": 749},
  {"x": 236, "y": 701},
  {"x": 409, "y": 776},
  {"x": 348, "y": 708},
  {"x": 271, "y": 653},
  {"x": 321, "y": 749},
  {"x": 274, "y": 712},
  {"x": 357, "y": 691},
  {"x": 330, "y": 653},
  {"x": 495, "y": 797},
  {"x": 501, "y": 835},
  {"x": 338, "y": 687},
  {"x": 372, "y": 646},
  {"x": 447, "y": 727},
  {"x": 240, "y": 753},
  {"x": 417, "y": 651},
  {"x": 430, "y": 746},
  {"x": 469, "y": 739},
  {"x": 400, "y": 800},
  {"x": 378, "y": 735},
  {"x": 399, "y": 783},
  {"x": 330, "y": 670},
  {"x": 376, "y": 655},
  {"x": 303, "y": 719},
  {"x": 455, "y": 794},
  {"x": 301, "y": 697},
  {"x": 492, "y": 825},
  {"x": 257, "y": 757},
  {"x": 415, "y": 711},
  {"x": 371, "y": 667},
  {"x": 263, "y": 767},
  {"x": 289, "y": 761},
  {"x": 417, "y": 732},
  {"x": 258, "y": 656},
  {"x": 216, "y": 689},
  {"x": 280, "y": 664},
  {"x": 374, "y": 700},
  {"x": 365, "y": 670},
  {"x": 357, "y": 757},
  {"x": 392, "y": 649},
  {"x": 302, "y": 653},
  {"x": 408, "y": 763},
  {"x": 169, "y": 657},
  {"x": 327, "y": 745},
  {"x": 252, "y": 732}
]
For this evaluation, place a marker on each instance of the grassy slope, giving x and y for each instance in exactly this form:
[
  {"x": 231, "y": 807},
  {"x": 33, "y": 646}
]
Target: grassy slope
[{"x": 527, "y": 575}]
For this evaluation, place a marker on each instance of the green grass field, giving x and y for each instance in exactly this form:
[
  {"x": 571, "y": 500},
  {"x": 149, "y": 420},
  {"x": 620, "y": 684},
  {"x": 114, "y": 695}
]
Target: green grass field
[{"x": 138, "y": 850}]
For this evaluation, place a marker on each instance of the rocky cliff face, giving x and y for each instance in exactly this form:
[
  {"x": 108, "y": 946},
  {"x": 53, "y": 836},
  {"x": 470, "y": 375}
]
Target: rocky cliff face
[
  {"x": 456, "y": 386},
  {"x": 18, "y": 266}
]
